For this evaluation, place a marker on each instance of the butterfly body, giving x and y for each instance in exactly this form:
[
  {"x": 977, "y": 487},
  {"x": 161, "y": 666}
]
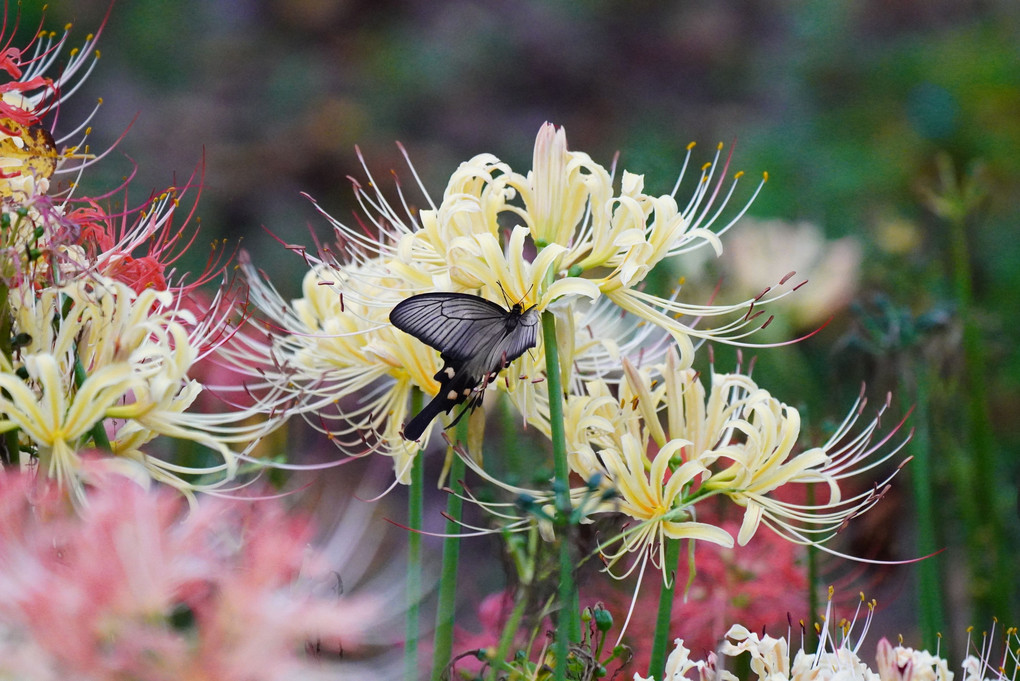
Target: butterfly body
[{"x": 476, "y": 339}]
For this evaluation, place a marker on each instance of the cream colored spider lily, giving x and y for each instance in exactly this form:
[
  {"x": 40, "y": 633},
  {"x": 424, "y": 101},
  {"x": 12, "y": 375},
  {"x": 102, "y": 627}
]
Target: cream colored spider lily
[
  {"x": 334, "y": 359},
  {"x": 577, "y": 236},
  {"x": 574, "y": 235},
  {"x": 658, "y": 499},
  {"x": 665, "y": 443},
  {"x": 99, "y": 355}
]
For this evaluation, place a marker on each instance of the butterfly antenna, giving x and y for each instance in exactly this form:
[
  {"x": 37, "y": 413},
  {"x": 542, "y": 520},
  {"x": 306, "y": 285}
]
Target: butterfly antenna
[
  {"x": 526, "y": 294},
  {"x": 502, "y": 290}
]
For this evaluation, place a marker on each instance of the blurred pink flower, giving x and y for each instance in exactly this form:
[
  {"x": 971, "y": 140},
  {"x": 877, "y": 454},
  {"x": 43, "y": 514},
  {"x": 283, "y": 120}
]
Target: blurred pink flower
[
  {"x": 138, "y": 588},
  {"x": 492, "y": 615}
]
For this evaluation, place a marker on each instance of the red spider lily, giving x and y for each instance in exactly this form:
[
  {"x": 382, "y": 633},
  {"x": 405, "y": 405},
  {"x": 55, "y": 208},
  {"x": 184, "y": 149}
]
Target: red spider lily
[
  {"x": 141, "y": 246},
  {"x": 28, "y": 64}
]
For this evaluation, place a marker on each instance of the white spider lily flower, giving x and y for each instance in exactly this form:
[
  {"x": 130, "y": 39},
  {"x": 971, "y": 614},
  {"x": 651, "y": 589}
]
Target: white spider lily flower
[{"x": 102, "y": 361}]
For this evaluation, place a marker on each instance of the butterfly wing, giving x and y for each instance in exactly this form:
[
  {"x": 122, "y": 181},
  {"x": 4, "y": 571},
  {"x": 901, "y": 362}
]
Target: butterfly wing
[
  {"x": 517, "y": 334},
  {"x": 461, "y": 326},
  {"x": 476, "y": 338}
]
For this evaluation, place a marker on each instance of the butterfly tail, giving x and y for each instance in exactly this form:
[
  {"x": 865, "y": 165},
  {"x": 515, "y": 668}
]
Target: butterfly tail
[{"x": 417, "y": 425}]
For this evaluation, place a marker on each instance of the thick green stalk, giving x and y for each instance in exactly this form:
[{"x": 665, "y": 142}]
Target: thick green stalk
[
  {"x": 9, "y": 453},
  {"x": 992, "y": 578},
  {"x": 568, "y": 624},
  {"x": 11, "y": 448},
  {"x": 814, "y": 608},
  {"x": 415, "y": 503},
  {"x": 443, "y": 648},
  {"x": 660, "y": 644},
  {"x": 506, "y": 639},
  {"x": 929, "y": 586},
  {"x": 98, "y": 431}
]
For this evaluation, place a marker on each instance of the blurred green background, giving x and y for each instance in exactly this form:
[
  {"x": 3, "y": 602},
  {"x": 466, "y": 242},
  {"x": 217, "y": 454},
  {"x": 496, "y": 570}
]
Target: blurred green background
[{"x": 847, "y": 105}]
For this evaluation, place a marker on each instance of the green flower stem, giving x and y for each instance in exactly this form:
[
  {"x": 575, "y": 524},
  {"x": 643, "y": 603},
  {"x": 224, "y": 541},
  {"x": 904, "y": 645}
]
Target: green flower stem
[
  {"x": 506, "y": 639},
  {"x": 992, "y": 577},
  {"x": 569, "y": 624},
  {"x": 6, "y": 323},
  {"x": 814, "y": 607},
  {"x": 929, "y": 586},
  {"x": 660, "y": 644},
  {"x": 98, "y": 431},
  {"x": 9, "y": 452},
  {"x": 443, "y": 641},
  {"x": 977, "y": 472},
  {"x": 415, "y": 503}
]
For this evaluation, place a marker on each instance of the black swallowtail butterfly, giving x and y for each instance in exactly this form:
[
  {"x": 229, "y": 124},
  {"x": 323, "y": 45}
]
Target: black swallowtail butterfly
[{"x": 476, "y": 339}]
